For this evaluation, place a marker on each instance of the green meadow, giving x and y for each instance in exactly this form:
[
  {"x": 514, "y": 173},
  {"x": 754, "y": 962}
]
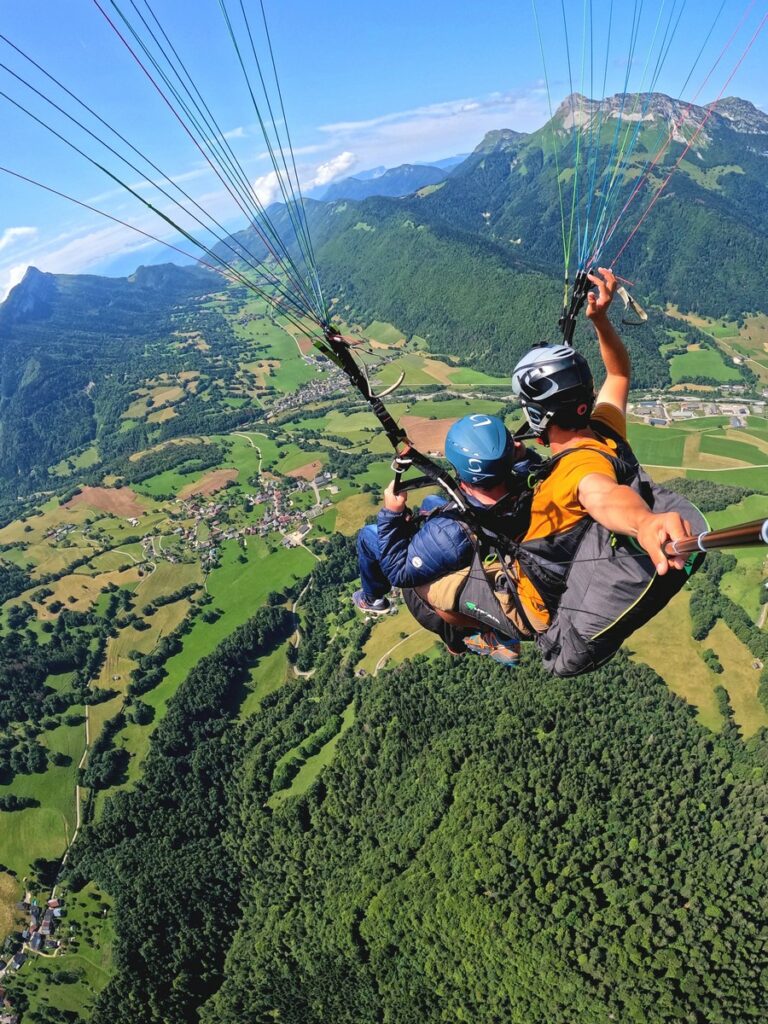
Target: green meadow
[
  {"x": 313, "y": 765},
  {"x": 88, "y": 938},
  {"x": 44, "y": 831},
  {"x": 238, "y": 587},
  {"x": 656, "y": 447},
  {"x": 714, "y": 445},
  {"x": 707, "y": 362}
]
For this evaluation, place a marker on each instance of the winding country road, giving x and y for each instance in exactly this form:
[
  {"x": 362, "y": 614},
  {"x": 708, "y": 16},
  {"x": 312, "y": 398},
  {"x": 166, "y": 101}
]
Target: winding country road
[{"x": 382, "y": 660}]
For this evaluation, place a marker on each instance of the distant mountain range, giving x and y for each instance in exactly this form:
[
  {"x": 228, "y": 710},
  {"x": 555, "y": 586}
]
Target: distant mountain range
[
  {"x": 389, "y": 181},
  {"x": 397, "y": 181},
  {"x": 472, "y": 263}
]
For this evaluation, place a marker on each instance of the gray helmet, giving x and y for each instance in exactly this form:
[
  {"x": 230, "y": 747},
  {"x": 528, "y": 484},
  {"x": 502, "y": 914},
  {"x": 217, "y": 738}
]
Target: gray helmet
[{"x": 554, "y": 384}]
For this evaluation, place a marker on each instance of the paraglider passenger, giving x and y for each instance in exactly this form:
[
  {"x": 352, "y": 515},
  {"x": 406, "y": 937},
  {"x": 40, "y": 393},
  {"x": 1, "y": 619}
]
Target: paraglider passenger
[{"x": 403, "y": 550}]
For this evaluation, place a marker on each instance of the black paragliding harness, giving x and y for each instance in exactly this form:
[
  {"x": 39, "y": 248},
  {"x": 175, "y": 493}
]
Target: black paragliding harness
[{"x": 492, "y": 530}]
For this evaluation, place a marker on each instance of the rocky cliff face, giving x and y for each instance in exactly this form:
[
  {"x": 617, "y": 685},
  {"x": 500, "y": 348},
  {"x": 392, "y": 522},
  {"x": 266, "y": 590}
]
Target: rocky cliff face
[
  {"x": 732, "y": 113},
  {"x": 31, "y": 299}
]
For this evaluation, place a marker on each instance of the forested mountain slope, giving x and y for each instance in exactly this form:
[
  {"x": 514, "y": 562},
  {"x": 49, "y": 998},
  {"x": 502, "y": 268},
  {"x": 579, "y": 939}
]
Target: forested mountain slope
[
  {"x": 484, "y": 847},
  {"x": 71, "y": 350},
  {"x": 396, "y": 181},
  {"x": 699, "y": 247},
  {"x": 475, "y": 265},
  {"x": 487, "y": 849}
]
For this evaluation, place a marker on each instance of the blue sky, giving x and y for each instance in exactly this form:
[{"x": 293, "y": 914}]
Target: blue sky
[{"x": 364, "y": 85}]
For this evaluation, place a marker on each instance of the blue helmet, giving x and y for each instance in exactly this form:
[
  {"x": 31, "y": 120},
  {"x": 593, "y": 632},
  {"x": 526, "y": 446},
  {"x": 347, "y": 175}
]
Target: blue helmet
[{"x": 480, "y": 449}]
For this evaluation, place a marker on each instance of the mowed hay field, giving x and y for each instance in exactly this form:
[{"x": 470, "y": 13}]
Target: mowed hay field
[
  {"x": 306, "y": 472},
  {"x": 40, "y": 549},
  {"x": 666, "y": 644},
  {"x": 739, "y": 678},
  {"x": 118, "y": 501},
  {"x": 427, "y": 435},
  {"x": 80, "y": 592},
  {"x": 210, "y": 483},
  {"x": 385, "y": 640},
  {"x": 352, "y": 512},
  {"x": 10, "y": 893}
]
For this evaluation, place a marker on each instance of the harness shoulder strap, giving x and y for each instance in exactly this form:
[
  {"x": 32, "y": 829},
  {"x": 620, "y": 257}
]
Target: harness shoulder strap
[{"x": 624, "y": 461}]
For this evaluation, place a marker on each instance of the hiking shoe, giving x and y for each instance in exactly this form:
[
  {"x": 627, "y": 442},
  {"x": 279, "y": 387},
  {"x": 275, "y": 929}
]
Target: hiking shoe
[
  {"x": 506, "y": 652},
  {"x": 378, "y": 607}
]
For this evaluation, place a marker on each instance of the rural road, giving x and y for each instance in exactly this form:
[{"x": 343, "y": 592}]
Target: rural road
[
  {"x": 249, "y": 439},
  {"x": 382, "y": 660}
]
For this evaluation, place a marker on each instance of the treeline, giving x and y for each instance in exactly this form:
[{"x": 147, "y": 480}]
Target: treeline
[
  {"x": 191, "y": 456},
  {"x": 25, "y": 664},
  {"x": 170, "y": 835},
  {"x": 706, "y": 495},
  {"x": 150, "y": 668},
  {"x": 347, "y": 465},
  {"x": 76, "y": 643},
  {"x": 106, "y": 762},
  {"x": 13, "y": 581}
]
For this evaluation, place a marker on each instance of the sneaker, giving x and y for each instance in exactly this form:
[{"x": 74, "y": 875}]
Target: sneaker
[
  {"x": 505, "y": 652},
  {"x": 378, "y": 607}
]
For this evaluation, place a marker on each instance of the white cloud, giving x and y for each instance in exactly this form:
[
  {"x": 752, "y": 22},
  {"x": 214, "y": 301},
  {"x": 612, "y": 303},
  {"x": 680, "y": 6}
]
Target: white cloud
[
  {"x": 267, "y": 188},
  {"x": 235, "y": 133},
  {"x": 12, "y": 235},
  {"x": 332, "y": 169},
  {"x": 10, "y": 277},
  {"x": 439, "y": 129}
]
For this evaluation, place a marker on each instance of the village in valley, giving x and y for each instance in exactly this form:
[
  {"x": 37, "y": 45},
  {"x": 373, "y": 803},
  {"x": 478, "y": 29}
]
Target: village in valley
[{"x": 41, "y": 921}]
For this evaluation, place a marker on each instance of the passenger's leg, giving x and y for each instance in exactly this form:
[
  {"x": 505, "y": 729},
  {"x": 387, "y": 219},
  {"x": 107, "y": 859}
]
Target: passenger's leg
[
  {"x": 471, "y": 634},
  {"x": 372, "y": 596}
]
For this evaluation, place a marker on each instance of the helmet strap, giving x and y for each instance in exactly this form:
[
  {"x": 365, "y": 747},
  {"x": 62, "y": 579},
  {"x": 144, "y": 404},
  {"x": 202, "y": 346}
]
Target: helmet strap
[{"x": 539, "y": 429}]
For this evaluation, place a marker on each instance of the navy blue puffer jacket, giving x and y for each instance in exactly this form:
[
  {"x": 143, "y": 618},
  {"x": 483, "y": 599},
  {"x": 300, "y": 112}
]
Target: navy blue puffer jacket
[{"x": 415, "y": 550}]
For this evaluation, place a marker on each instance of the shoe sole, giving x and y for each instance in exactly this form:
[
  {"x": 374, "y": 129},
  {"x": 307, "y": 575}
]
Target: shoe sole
[{"x": 489, "y": 653}]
